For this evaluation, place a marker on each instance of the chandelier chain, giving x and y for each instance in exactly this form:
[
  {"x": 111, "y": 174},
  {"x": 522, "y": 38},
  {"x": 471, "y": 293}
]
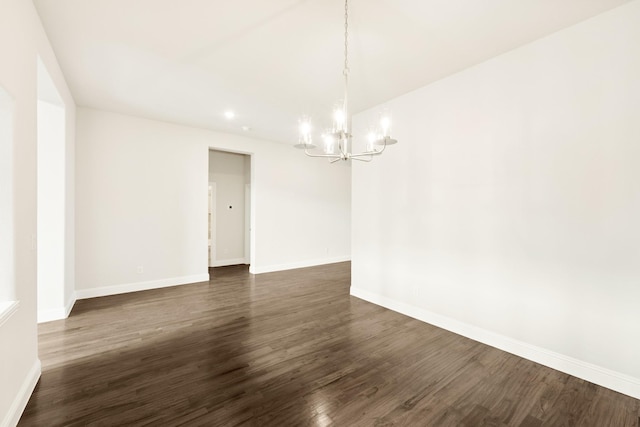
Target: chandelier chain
[{"x": 346, "y": 37}]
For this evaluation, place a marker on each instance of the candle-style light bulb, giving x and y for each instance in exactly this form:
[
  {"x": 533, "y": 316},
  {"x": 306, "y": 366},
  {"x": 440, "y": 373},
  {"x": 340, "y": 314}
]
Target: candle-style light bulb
[
  {"x": 305, "y": 127},
  {"x": 305, "y": 131},
  {"x": 385, "y": 125},
  {"x": 329, "y": 143},
  {"x": 338, "y": 120},
  {"x": 371, "y": 140}
]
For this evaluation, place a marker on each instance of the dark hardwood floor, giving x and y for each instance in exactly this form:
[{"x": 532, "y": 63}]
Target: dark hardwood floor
[{"x": 290, "y": 349}]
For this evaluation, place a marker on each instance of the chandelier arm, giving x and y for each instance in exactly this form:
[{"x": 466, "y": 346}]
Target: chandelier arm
[
  {"x": 383, "y": 148},
  {"x": 330, "y": 156},
  {"x": 375, "y": 152},
  {"x": 365, "y": 154},
  {"x": 362, "y": 160},
  {"x": 370, "y": 153}
]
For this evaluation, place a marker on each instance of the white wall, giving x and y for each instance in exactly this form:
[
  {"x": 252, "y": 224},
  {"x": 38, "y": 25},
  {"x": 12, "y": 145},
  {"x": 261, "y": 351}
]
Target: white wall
[
  {"x": 22, "y": 40},
  {"x": 55, "y": 200},
  {"x": 509, "y": 210},
  {"x": 51, "y": 211},
  {"x": 141, "y": 200},
  {"x": 140, "y": 205},
  {"x": 227, "y": 170}
]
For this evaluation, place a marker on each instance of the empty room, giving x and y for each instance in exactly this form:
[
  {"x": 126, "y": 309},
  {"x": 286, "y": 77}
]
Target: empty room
[{"x": 319, "y": 213}]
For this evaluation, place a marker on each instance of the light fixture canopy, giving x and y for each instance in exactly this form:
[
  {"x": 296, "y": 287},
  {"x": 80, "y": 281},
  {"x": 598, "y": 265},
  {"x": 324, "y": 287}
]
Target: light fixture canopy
[{"x": 336, "y": 142}]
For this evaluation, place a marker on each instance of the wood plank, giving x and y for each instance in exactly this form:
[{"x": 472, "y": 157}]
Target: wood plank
[{"x": 290, "y": 348}]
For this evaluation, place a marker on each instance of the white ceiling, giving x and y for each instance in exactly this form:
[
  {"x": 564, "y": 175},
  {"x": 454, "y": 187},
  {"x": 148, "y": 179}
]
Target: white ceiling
[{"x": 187, "y": 61}]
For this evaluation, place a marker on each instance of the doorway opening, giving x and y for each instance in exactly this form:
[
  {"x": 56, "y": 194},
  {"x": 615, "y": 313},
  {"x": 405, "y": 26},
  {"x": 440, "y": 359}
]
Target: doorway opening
[{"x": 230, "y": 207}]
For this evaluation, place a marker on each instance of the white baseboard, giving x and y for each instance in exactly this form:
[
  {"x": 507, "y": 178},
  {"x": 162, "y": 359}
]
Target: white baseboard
[
  {"x": 299, "y": 264},
  {"x": 59, "y": 313},
  {"x": 604, "y": 377},
  {"x": 139, "y": 286},
  {"x": 22, "y": 397},
  {"x": 50, "y": 315},
  {"x": 70, "y": 304},
  {"x": 226, "y": 262}
]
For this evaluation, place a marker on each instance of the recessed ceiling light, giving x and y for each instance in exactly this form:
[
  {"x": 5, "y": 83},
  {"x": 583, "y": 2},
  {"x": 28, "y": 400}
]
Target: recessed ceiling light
[
  {"x": 229, "y": 115},
  {"x": 246, "y": 128}
]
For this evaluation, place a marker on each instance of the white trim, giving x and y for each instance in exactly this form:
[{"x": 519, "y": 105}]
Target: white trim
[
  {"x": 140, "y": 286},
  {"x": 226, "y": 262},
  {"x": 299, "y": 264},
  {"x": 247, "y": 222},
  {"x": 7, "y": 309},
  {"x": 70, "y": 304},
  {"x": 50, "y": 315},
  {"x": 57, "y": 313},
  {"x": 596, "y": 374},
  {"x": 22, "y": 397},
  {"x": 212, "y": 222}
]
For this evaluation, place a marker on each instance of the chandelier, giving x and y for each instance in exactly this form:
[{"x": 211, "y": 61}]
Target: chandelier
[{"x": 336, "y": 142}]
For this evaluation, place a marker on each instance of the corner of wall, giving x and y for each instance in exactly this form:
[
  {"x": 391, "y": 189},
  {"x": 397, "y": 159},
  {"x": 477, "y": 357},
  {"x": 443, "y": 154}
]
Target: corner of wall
[{"x": 300, "y": 264}]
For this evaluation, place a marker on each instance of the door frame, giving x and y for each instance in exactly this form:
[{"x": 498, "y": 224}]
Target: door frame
[
  {"x": 211, "y": 220},
  {"x": 247, "y": 223}
]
